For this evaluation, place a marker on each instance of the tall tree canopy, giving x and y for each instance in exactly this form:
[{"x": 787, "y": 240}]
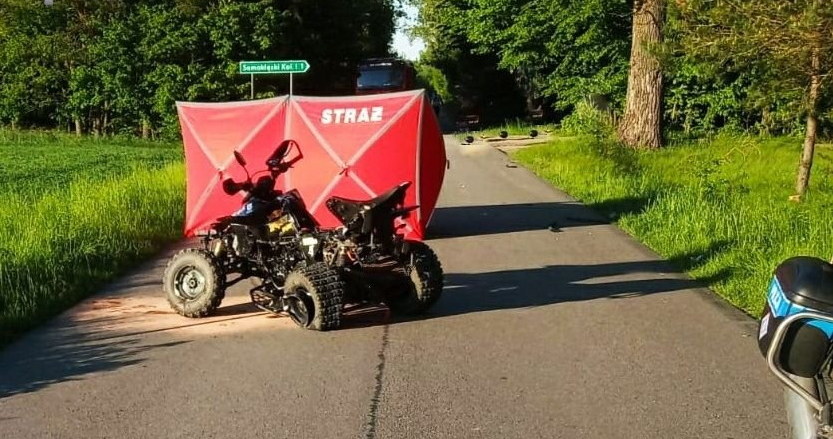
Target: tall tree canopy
[
  {"x": 561, "y": 48},
  {"x": 564, "y": 51},
  {"x": 118, "y": 65},
  {"x": 472, "y": 78},
  {"x": 559, "y": 51}
]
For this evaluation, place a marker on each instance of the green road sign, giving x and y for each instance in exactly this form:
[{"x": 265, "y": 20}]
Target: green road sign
[{"x": 273, "y": 67}]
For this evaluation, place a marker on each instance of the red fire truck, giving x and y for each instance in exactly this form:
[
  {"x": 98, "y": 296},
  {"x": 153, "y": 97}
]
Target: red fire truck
[{"x": 384, "y": 75}]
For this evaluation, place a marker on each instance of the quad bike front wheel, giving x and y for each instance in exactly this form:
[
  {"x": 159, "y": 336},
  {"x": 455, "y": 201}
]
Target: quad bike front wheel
[
  {"x": 193, "y": 283},
  {"x": 313, "y": 297},
  {"x": 424, "y": 284}
]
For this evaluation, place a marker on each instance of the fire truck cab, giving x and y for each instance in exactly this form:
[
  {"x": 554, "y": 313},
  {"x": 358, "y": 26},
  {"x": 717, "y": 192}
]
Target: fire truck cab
[{"x": 384, "y": 75}]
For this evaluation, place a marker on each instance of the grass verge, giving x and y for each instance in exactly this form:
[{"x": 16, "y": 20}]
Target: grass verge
[
  {"x": 715, "y": 208},
  {"x": 76, "y": 215}
]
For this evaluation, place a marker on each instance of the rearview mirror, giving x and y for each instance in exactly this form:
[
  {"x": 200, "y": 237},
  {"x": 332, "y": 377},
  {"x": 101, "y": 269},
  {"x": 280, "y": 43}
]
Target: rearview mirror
[{"x": 239, "y": 158}]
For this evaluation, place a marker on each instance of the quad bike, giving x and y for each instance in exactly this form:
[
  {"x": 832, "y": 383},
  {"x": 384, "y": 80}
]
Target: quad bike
[
  {"x": 377, "y": 264},
  {"x": 299, "y": 268},
  {"x": 796, "y": 337}
]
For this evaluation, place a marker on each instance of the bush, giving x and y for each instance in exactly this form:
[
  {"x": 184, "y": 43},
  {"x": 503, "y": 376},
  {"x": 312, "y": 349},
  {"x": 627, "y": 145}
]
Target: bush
[{"x": 586, "y": 119}]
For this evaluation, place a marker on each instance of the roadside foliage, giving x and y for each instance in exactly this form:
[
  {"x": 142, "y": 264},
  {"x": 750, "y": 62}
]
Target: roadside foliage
[
  {"x": 117, "y": 66},
  {"x": 563, "y": 52}
]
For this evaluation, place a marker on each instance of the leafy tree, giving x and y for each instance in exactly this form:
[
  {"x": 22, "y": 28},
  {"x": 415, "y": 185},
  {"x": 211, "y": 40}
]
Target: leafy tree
[
  {"x": 432, "y": 78},
  {"x": 555, "y": 52},
  {"x": 118, "y": 66},
  {"x": 31, "y": 64},
  {"x": 791, "y": 42},
  {"x": 475, "y": 82},
  {"x": 564, "y": 49}
]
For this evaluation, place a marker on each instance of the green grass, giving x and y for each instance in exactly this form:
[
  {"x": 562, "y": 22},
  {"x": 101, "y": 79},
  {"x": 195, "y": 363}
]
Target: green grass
[
  {"x": 32, "y": 163},
  {"x": 716, "y": 208},
  {"x": 75, "y": 213}
]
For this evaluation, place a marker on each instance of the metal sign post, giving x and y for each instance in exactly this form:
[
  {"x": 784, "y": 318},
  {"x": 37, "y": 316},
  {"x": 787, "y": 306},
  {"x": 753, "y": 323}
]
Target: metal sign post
[{"x": 290, "y": 67}]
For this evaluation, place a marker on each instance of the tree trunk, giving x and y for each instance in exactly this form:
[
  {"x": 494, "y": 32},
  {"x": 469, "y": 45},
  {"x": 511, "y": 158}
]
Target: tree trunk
[
  {"x": 78, "y": 126},
  {"x": 641, "y": 126},
  {"x": 105, "y": 118},
  {"x": 806, "y": 162},
  {"x": 145, "y": 129}
]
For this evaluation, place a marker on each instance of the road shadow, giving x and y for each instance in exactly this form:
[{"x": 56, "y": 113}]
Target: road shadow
[
  {"x": 510, "y": 289},
  {"x": 463, "y": 221},
  {"x": 476, "y": 292},
  {"x": 365, "y": 316},
  {"x": 69, "y": 348},
  {"x": 616, "y": 208},
  {"x": 238, "y": 310},
  {"x": 66, "y": 354},
  {"x": 467, "y": 293}
]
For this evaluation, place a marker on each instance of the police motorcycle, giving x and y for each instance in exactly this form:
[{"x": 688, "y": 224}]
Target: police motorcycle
[
  {"x": 795, "y": 336},
  {"x": 296, "y": 266}
]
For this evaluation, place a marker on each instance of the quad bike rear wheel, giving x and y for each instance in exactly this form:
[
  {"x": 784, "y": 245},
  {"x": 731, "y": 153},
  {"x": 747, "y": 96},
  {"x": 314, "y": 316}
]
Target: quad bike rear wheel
[
  {"x": 314, "y": 296},
  {"x": 193, "y": 283},
  {"x": 425, "y": 281}
]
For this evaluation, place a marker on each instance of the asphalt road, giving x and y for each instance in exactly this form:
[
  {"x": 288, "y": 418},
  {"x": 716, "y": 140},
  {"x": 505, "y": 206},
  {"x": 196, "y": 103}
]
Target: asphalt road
[{"x": 575, "y": 333}]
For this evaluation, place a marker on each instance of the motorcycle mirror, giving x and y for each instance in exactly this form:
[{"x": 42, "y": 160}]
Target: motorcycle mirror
[{"x": 239, "y": 158}]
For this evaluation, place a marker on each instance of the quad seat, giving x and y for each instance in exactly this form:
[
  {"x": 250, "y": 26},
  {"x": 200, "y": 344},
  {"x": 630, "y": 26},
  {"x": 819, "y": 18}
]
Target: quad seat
[{"x": 348, "y": 211}]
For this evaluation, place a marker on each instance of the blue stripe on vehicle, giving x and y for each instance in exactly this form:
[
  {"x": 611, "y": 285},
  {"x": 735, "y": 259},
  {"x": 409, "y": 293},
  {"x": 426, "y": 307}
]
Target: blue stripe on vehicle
[{"x": 782, "y": 307}]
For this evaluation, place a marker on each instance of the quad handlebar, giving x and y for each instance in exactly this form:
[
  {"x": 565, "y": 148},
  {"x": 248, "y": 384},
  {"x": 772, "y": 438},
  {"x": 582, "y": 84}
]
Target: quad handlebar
[{"x": 275, "y": 166}]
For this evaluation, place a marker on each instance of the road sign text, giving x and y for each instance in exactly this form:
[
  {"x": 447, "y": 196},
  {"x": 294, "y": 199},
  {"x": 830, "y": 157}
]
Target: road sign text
[{"x": 273, "y": 67}]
